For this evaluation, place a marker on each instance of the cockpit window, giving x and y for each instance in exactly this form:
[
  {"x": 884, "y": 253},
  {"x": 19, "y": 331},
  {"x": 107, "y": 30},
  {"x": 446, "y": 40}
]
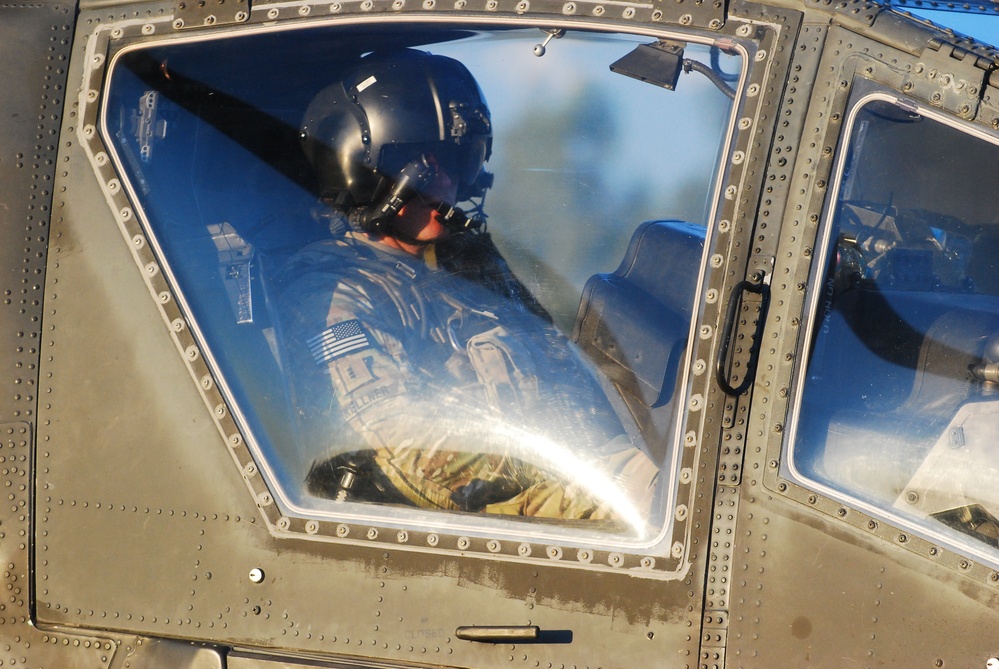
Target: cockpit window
[
  {"x": 900, "y": 403},
  {"x": 440, "y": 278}
]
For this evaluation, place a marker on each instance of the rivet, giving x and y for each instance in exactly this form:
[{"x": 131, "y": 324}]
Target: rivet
[{"x": 257, "y": 575}]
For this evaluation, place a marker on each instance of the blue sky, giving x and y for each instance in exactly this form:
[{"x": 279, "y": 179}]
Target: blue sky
[{"x": 984, "y": 28}]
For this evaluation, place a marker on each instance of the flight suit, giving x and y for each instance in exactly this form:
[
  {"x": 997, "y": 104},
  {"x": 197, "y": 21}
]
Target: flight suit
[{"x": 448, "y": 389}]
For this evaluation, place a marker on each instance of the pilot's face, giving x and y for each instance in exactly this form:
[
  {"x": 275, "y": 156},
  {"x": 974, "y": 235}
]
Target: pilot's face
[{"x": 418, "y": 219}]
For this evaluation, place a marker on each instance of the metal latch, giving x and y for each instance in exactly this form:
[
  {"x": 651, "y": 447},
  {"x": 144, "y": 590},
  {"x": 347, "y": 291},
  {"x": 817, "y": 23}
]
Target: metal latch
[{"x": 235, "y": 259}]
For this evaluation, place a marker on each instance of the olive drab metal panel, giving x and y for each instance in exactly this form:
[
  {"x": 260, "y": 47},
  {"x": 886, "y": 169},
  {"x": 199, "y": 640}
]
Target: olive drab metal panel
[
  {"x": 35, "y": 42},
  {"x": 204, "y": 540},
  {"x": 142, "y": 524}
]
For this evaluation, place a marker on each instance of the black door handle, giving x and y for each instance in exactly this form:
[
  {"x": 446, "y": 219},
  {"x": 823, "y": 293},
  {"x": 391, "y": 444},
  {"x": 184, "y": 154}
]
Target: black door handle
[{"x": 734, "y": 304}]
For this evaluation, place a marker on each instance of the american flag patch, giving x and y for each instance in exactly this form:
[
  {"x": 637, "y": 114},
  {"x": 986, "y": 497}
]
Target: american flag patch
[{"x": 338, "y": 340}]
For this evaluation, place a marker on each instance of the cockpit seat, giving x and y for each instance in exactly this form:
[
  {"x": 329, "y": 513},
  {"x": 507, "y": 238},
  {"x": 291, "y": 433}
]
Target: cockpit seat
[
  {"x": 634, "y": 323},
  {"x": 875, "y": 448}
]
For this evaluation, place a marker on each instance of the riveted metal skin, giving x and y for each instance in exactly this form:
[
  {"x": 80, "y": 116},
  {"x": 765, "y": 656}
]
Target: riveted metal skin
[
  {"x": 870, "y": 578},
  {"x": 136, "y": 529},
  {"x": 34, "y": 42},
  {"x": 204, "y": 541}
]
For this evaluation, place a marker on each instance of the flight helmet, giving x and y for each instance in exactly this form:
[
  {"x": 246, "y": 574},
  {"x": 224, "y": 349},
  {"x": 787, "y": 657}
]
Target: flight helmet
[{"x": 377, "y": 135}]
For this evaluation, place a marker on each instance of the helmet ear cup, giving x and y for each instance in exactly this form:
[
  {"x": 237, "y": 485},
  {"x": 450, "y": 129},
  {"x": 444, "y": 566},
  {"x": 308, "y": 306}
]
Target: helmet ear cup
[{"x": 361, "y": 132}]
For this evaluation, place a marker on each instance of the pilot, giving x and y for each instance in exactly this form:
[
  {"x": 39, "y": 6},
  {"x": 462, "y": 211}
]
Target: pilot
[{"x": 424, "y": 372}]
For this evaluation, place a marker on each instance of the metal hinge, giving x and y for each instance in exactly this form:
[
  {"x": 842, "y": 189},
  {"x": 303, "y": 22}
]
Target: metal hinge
[{"x": 950, "y": 77}]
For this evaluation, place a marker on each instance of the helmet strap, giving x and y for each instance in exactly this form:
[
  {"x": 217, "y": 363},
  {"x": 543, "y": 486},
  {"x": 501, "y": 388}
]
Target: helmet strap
[{"x": 412, "y": 179}]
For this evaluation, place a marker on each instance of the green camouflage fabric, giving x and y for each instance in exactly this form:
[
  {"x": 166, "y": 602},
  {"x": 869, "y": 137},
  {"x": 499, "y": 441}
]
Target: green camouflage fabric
[{"x": 468, "y": 398}]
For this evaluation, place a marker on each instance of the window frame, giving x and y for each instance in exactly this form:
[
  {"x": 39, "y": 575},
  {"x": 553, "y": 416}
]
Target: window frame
[
  {"x": 865, "y": 92},
  {"x": 300, "y": 520}
]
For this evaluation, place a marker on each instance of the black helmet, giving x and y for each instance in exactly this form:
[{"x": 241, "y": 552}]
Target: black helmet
[{"x": 369, "y": 136}]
